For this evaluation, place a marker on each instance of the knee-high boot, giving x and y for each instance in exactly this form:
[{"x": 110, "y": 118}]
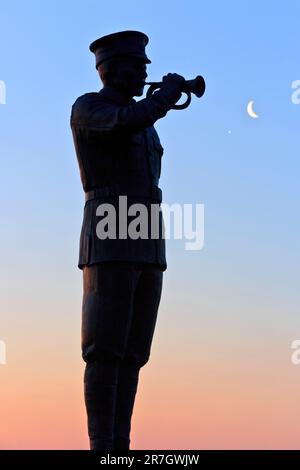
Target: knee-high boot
[
  {"x": 127, "y": 388},
  {"x": 100, "y": 393}
]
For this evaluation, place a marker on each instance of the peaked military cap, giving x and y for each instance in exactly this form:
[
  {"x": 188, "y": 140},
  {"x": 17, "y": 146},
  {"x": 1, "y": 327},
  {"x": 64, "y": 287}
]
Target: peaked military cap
[{"x": 123, "y": 43}]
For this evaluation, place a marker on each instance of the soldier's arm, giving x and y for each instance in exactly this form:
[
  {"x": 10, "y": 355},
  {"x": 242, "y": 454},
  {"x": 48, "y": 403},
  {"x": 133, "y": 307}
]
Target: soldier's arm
[{"x": 95, "y": 114}]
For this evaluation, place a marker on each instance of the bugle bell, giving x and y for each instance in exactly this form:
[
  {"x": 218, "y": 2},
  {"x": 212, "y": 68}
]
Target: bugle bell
[{"x": 195, "y": 86}]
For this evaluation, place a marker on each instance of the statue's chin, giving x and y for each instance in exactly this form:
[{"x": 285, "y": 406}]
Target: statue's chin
[{"x": 129, "y": 90}]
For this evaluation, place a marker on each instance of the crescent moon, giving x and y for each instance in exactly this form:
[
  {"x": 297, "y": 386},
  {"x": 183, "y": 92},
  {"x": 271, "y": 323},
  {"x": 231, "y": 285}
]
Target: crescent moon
[{"x": 250, "y": 110}]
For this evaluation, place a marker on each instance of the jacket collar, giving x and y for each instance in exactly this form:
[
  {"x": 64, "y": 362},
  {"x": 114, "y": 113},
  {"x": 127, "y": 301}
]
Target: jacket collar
[{"x": 116, "y": 96}]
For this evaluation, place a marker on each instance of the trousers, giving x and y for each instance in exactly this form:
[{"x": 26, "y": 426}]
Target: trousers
[{"x": 119, "y": 312}]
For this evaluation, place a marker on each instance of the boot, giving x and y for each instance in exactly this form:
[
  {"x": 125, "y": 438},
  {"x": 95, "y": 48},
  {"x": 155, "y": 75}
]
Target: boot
[
  {"x": 100, "y": 393},
  {"x": 127, "y": 388}
]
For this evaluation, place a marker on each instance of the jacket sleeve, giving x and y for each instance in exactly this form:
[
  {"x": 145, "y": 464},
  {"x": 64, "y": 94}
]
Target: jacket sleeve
[{"x": 93, "y": 113}]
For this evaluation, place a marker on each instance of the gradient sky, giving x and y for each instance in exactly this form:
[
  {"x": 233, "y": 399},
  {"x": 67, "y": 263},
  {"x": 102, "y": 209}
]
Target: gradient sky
[{"x": 220, "y": 374}]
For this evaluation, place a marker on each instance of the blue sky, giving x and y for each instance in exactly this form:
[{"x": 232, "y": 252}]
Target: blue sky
[
  {"x": 228, "y": 312},
  {"x": 247, "y": 179}
]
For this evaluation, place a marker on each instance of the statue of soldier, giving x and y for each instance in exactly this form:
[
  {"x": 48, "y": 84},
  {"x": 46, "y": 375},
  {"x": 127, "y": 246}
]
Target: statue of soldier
[{"x": 119, "y": 154}]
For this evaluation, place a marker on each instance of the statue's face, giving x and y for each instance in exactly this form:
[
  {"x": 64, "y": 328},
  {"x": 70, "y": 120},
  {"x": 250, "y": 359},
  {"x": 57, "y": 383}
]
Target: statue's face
[{"x": 131, "y": 75}]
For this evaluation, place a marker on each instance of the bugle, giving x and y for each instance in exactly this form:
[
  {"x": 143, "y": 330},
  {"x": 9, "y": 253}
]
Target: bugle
[{"x": 195, "y": 86}]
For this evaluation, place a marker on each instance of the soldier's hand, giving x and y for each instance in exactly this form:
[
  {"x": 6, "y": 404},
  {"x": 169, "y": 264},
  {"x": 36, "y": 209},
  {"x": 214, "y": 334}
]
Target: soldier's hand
[{"x": 173, "y": 79}]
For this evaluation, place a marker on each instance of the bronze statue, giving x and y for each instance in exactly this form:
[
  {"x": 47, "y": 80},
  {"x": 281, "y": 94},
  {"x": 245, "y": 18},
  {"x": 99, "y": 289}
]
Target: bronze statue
[{"x": 119, "y": 153}]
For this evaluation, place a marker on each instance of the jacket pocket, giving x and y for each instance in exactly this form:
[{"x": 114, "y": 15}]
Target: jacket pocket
[
  {"x": 156, "y": 151},
  {"x": 158, "y": 146},
  {"x": 135, "y": 156}
]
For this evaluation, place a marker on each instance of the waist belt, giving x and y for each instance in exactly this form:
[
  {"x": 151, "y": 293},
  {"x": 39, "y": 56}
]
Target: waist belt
[{"x": 154, "y": 192}]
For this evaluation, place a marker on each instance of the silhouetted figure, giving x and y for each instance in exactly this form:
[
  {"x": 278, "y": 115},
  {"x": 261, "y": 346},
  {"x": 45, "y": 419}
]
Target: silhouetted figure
[{"x": 119, "y": 153}]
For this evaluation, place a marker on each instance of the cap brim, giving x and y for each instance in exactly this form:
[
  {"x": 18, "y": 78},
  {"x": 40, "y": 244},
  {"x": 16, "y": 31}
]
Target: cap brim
[{"x": 143, "y": 58}]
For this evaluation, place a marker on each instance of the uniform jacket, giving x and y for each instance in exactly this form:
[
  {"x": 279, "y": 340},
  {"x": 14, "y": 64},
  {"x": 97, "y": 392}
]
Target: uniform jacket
[{"x": 118, "y": 148}]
